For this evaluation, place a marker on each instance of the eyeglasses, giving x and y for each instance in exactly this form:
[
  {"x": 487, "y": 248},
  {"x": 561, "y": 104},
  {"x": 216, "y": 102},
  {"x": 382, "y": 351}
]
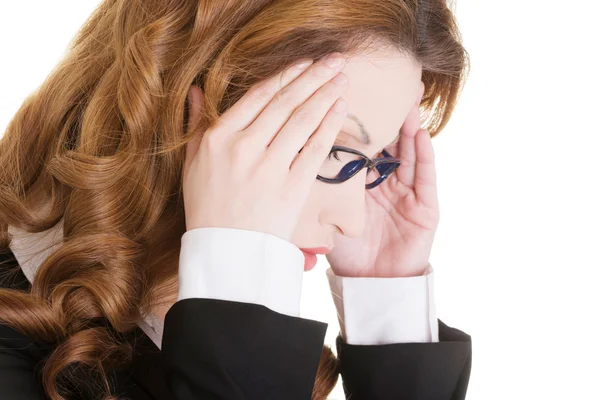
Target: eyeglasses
[{"x": 349, "y": 162}]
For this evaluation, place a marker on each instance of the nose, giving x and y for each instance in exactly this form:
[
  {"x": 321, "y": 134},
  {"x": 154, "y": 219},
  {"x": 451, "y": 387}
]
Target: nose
[{"x": 345, "y": 207}]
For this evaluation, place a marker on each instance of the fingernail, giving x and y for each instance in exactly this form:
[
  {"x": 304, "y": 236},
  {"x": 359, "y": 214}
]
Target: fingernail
[
  {"x": 304, "y": 64},
  {"x": 334, "y": 60}
]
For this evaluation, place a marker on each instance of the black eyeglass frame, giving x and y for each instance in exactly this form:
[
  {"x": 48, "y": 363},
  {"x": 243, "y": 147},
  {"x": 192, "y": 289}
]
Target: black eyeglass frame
[{"x": 369, "y": 164}]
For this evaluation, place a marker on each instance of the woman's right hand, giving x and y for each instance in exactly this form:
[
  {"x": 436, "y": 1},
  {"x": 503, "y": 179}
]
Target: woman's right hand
[{"x": 246, "y": 171}]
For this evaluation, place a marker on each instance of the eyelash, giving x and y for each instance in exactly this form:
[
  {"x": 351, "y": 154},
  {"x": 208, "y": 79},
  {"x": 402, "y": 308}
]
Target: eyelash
[{"x": 333, "y": 153}]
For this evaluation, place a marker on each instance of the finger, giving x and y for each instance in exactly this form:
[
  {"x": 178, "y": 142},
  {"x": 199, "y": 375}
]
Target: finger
[
  {"x": 270, "y": 121},
  {"x": 305, "y": 167},
  {"x": 305, "y": 120},
  {"x": 425, "y": 174},
  {"x": 239, "y": 116},
  {"x": 195, "y": 104},
  {"x": 406, "y": 147}
]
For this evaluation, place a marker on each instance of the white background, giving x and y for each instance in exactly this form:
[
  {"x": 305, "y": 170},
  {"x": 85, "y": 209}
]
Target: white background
[{"x": 516, "y": 255}]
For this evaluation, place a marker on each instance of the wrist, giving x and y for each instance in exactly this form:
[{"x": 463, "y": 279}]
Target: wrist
[{"x": 418, "y": 269}]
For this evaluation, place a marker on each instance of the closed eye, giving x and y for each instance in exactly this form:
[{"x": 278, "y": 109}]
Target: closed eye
[{"x": 333, "y": 154}]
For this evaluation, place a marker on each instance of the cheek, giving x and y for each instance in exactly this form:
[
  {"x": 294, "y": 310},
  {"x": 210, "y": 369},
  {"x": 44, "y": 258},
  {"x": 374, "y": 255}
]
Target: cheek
[
  {"x": 308, "y": 227},
  {"x": 324, "y": 198}
]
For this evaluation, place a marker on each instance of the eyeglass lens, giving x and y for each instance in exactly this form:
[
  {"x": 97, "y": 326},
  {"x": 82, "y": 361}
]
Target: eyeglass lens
[{"x": 342, "y": 165}]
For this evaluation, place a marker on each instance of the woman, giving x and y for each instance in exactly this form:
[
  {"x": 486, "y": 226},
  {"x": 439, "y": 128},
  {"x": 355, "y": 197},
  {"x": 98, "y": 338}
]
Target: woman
[{"x": 158, "y": 198}]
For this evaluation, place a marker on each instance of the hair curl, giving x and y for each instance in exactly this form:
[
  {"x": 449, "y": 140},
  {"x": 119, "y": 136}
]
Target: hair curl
[{"x": 101, "y": 144}]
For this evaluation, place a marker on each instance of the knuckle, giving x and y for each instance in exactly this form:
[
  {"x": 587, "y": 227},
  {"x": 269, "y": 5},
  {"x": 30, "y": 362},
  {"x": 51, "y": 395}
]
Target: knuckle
[
  {"x": 317, "y": 71},
  {"x": 261, "y": 93},
  {"x": 286, "y": 76},
  {"x": 288, "y": 196},
  {"x": 239, "y": 150},
  {"x": 335, "y": 88},
  {"x": 246, "y": 143},
  {"x": 302, "y": 114},
  {"x": 211, "y": 140},
  {"x": 267, "y": 162},
  {"x": 264, "y": 173},
  {"x": 315, "y": 146},
  {"x": 282, "y": 96}
]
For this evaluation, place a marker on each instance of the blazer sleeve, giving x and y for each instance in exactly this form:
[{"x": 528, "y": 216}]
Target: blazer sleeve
[
  {"x": 219, "y": 349},
  {"x": 235, "y": 331},
  {"x": 230, "y": 338},
  {"x": 438, "y": 371}
]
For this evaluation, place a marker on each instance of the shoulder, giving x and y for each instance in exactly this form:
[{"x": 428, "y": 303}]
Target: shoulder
[
  {"x": 20, "y": 365},
  {"x": 15, "y": 344}
]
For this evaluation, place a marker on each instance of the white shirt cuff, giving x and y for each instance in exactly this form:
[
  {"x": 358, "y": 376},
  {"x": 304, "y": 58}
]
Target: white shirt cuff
[
  {"x": 241, "y": 265},
  {"x": 385, "y": 310}
]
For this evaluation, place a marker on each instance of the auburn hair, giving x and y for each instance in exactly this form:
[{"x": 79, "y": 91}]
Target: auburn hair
[{"x": 101, "y": 143}]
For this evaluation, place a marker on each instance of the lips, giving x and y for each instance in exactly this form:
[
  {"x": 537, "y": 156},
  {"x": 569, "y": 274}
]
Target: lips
[
  {"x": 310, "y": 256},
  {"x": 310, "y": 260},
  {"x": 316, "y": 250}
]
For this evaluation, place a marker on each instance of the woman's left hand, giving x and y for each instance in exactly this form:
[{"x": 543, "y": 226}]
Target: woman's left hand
[{"x": 402, "y": 214}]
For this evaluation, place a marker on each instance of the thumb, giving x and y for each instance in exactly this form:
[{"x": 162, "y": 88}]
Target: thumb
[{"x": 196, "y": 100}]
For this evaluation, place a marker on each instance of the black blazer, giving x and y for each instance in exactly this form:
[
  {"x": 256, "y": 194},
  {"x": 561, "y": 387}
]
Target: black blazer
[{"x": 217, "y": 350}]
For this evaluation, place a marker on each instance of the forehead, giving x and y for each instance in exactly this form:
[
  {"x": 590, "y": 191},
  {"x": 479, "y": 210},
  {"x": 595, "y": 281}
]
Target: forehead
[{"x": 383, "y": 87}]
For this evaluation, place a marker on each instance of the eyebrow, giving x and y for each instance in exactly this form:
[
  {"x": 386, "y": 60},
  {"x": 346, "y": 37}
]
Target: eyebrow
[{"x": 364, "y": 135}]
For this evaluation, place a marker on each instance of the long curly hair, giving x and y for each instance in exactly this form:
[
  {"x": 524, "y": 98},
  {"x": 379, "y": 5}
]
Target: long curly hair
[{"x": 101, "y": 145}]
